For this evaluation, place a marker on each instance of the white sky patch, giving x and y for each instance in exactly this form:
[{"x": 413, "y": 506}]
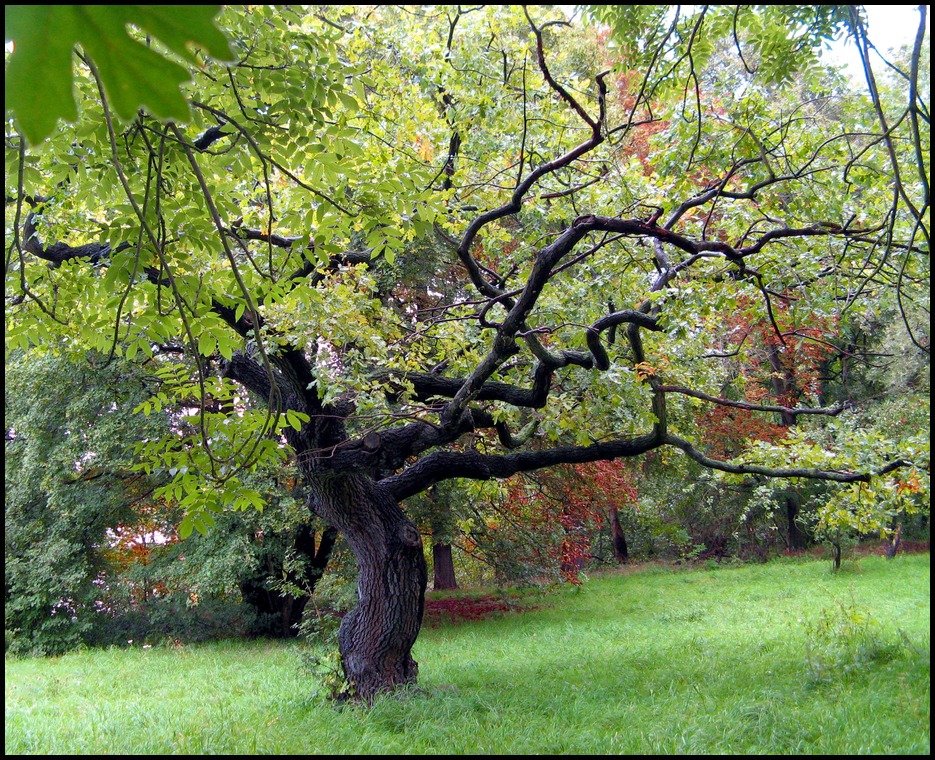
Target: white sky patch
[{"x": 889, "y": 28}]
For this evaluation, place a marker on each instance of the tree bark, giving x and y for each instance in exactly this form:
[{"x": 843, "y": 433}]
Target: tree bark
[
  {"x": 444, "y": 568},
  {"x": 892, "y": 546},
  {"x": 620, "y": 540},
  {"x": 795, "y": 538},
  {"x": 376, "y": 637},
  {"x": 835, "y": 556}
]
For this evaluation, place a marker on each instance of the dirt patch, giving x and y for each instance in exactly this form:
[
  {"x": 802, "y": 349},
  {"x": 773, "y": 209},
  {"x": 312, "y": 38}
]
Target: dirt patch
[
  {"x": 464, "y": 609},
  {"x": 862, "y": 550},
  {"x": 905, "y": 547}
]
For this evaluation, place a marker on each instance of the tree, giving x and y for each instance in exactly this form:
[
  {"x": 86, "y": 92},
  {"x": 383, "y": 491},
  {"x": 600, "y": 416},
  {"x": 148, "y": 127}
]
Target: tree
[
  {"x": 438, "y": 509},
  {"x": 445, "y": 242},
  {"x": 90, "y": 552},
  {"x": 68, "y": 480}
]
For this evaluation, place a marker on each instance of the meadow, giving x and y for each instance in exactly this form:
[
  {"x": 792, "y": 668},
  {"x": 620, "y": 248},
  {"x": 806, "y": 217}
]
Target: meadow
[{"x": 783, "y": 657}]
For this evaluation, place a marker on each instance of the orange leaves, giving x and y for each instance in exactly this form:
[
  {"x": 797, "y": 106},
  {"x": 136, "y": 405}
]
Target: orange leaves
[
  {"x": 727, "y": 430},
  {"x": 908, "y": 486},
  {"x": 424, "y": 147},
  {"x": 574, "y": 499},
  {"x": 645, "y": 370}
]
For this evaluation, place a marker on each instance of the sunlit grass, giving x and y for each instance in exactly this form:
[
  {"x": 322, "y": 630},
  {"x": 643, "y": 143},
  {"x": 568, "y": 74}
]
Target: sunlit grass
[{"x": 702, "y": 661}]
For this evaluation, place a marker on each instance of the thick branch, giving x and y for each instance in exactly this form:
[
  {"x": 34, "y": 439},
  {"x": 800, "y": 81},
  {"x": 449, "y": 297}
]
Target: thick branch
[
  {"x": 780, "y": 472},
  {"x": 210, "y": 136},
  {"x": 428, "y": 386},
  {"x": 831, "y": 411},
  {"x": 242, "y": 369},
  {"x": 58, "y": 253},
  {"x": 443, "y": 465}
]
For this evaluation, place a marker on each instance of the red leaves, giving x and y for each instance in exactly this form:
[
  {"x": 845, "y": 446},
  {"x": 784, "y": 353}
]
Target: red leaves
[
  {"x": 565, "y": 506},
  {"x": 782, "y": 365},
  {"x": 727, "y": 430}
]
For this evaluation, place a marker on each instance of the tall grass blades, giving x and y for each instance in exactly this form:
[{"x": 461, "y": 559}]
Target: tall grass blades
[
  {"x": 780, "y": 658},
  {"x": 845, "y": 639}
]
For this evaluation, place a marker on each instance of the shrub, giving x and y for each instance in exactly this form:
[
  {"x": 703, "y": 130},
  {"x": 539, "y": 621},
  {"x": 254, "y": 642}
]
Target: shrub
[
  {"x": 176, "y": 618},
  {"x": 845, "y": 640}
]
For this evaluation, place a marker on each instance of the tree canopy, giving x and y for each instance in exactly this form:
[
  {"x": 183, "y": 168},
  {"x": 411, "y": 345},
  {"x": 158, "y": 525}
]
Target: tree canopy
[{"x": 447, "y": 242}]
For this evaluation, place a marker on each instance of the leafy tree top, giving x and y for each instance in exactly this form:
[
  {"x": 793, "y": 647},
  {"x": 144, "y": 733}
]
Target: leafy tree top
[{"x": 451, "y": 242}]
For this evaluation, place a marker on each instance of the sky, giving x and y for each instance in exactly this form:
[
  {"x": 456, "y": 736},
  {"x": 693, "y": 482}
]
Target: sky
[
  {"x": 893, "y": 25},
  {"x": 890, "y": 26}
]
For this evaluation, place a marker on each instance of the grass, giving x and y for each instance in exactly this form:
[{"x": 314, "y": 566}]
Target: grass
[{"x": 779, "y": 658}]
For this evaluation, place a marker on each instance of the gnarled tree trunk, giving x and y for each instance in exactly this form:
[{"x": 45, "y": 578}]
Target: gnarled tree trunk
[{"x": 376, "y": 637}]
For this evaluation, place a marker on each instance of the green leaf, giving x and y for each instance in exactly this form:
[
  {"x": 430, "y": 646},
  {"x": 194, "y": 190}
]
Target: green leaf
[
  {"x": 201, "y": 525},
  {"x": 39, "y": 71},
  {"x": 226, "y": 345},
  {"x": 207, "y": 344},
  {"x": 38, "y": 84},
  {"x": 186, "y": 526},
  {"x": 295, "y": 419},
  {"x": 181, "y": 27}
]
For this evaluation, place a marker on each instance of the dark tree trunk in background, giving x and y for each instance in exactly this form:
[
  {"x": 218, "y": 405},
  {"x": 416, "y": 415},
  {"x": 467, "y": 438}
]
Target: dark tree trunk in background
[
  {"x": 444, "y": 567},
  {"x": 892, "y": 546},
  {"x": 835, "y": 556},
  {"x": 795, "y": 537},
  {"x": 620, "y": 540},
  {"x": 283, "y": 609},
  {"x": 265, "y": 600},
  {"x": 376, "y": 637}
]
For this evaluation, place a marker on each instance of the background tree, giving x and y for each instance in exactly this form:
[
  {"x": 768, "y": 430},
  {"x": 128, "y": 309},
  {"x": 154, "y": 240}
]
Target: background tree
[
  {"x": 268, "y": 562},
  {"x": 94, "y": 557},
  {"x": 438, "y": 509},
  {"x": 578, "y": 287},
  {"x": 68, "y": 480}
]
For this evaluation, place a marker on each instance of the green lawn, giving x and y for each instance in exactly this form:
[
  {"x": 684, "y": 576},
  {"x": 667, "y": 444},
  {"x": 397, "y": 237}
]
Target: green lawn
[{"x": 778, "y": 658}]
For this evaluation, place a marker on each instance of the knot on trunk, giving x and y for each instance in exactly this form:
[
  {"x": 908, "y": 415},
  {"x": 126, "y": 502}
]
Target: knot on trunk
[{"x": 409, "y": 535}]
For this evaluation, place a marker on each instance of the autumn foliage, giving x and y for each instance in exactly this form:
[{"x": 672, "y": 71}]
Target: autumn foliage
[
  {"x": 779, "y": 362},
  {"x": 546, "y": 520}
]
